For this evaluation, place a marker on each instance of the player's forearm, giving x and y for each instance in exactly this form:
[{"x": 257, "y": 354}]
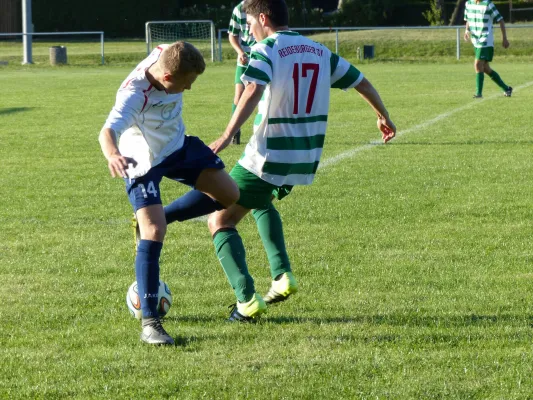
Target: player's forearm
[
  {"x": 235, "y": 43},
  {"x": 247, "y": 103},
  {"x": 371, "y": 96},
  {"x": 108, "y": 142},
  {"x": 504, "y": 31},
  {"x": 249, "y": 100}
]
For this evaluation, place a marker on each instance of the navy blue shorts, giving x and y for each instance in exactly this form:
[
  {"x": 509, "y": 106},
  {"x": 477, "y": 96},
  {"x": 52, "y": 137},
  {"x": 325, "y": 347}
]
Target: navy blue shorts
[{"x": 184, "y": 166}]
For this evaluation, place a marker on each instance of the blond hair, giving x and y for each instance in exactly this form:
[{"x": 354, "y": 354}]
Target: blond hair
[{"x": 182, "y": 58}]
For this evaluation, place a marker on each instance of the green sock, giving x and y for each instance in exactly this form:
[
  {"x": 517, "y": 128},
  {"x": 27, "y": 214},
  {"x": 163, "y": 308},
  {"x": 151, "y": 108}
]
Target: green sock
[
  {"x": 498, "y": 81},
  {"x": 231, "y": 254},
  {"x": 271, "y": 231},
  {"x": 480, "y": 77}
]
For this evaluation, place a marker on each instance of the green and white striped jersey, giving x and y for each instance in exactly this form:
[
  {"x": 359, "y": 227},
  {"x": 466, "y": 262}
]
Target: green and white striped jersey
[
  {"x": 480, "y": 17},
  {"x": 239, "y": 27},
  {"x": 290, "y": 126}
]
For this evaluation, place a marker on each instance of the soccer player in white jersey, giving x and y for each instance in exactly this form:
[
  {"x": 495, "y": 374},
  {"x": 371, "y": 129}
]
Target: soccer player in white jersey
[
  {"x": 153, "y": 144},
  {"x": 479, "y": 17},
  {"x": 241, "y": 40},
  {"x": 289, "y": 77}
]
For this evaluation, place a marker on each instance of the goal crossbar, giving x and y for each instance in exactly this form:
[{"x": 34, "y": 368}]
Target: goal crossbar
[{"x": 189, "y": 33}]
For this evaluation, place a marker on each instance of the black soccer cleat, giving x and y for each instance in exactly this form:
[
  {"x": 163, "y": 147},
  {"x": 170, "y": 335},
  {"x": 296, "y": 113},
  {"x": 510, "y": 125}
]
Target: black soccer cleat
[{"x": 508, "y": 92}]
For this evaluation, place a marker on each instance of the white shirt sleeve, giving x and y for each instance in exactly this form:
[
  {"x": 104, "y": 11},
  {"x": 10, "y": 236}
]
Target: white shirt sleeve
[{"x": 127, "y": 109}]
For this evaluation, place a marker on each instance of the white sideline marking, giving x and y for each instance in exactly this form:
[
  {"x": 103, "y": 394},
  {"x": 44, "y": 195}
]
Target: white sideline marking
[{"x": 350, "y": 153}]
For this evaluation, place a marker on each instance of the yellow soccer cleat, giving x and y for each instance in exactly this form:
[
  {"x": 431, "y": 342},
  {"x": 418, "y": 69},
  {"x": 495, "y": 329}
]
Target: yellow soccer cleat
[
  {"x": 282, "y": 288},
  {"x": 136, "y": 233},
  {"x": 249, "y": 311}
]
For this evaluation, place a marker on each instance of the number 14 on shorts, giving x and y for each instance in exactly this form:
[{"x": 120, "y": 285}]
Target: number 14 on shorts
[{"x": 149, "y": 189}]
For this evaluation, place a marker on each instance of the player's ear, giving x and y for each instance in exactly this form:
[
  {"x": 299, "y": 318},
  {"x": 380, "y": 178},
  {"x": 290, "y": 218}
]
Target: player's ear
[{"x": 167, "y": 77}]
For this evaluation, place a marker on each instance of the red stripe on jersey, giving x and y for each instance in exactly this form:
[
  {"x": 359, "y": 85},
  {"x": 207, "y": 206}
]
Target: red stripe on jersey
[
  {"x": 145, "y": 97},
  {"x": 127, "y": 83}
]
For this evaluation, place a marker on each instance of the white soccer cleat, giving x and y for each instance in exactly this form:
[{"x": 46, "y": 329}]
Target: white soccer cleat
[{"x": 154, "y": 333}]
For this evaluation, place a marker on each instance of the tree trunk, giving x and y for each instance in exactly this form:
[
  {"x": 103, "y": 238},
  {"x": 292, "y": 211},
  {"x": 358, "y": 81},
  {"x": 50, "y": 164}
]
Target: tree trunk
[{"x": 456, "y": 13}]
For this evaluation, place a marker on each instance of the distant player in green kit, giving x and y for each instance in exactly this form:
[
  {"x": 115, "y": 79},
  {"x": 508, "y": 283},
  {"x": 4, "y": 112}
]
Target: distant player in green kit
[
  {"x": 241, "y": 40},
  {"x": 479, "y": 15}
]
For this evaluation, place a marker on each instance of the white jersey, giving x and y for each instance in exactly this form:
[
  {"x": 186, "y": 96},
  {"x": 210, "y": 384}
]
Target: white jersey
[
  {"x": 290, "y": 127},
  {"x": 147, "y": 121}
]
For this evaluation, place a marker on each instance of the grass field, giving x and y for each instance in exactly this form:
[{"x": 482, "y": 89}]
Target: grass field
[{"x": 414, "y": 259}]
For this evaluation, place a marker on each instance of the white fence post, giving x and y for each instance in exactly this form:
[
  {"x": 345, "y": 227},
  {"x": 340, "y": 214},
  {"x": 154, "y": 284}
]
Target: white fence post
[
  {"x": 220, "y": 44},
  {"x": 27, "y": 29},
  {"x": 102, "y": 47},
  {"x": 458, "y": 43}
]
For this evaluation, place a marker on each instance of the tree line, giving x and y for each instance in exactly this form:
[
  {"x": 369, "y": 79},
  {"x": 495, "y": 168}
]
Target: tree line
[{"x": 126, "y": 18}]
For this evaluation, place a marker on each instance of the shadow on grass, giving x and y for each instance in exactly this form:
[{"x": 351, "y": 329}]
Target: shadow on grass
[
  {"x": 13, "y": 110},
  {"x": 398, "y": 321},
  {"x": 193, "y": 319},
  {"x": 182, "y": 341},
  {"x": 412, "y": 320},
  {"x": 381, "y": 319}
]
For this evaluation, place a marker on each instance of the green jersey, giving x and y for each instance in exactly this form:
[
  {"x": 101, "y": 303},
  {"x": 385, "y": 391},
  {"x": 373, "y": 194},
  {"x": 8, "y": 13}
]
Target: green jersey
[
  {"x": 480, "y": 17},
  {"x": 290, "y": 127},
  {"x": 239, "y": 27}
]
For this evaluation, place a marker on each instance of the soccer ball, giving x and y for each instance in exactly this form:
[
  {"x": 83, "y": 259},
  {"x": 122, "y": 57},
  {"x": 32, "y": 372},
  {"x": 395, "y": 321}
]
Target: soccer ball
[{"x": 134, "y": 302}]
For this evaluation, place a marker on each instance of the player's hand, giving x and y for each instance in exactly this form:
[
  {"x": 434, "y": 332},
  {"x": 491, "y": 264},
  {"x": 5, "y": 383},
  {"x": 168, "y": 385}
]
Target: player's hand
[
  {"x": 118, "y": 165},
  {"x": 220, "y": 144},
  {"x": 387, "y": 128},
  {"x": 505, "y": 43},
  {"x": 243, "y": 58},
  {"x": 467, "y": 36}
]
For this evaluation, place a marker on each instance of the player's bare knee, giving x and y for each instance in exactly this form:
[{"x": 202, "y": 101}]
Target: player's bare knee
[
  {"x": 153, "y": 232},
  {"x": 213, "y": 223}
]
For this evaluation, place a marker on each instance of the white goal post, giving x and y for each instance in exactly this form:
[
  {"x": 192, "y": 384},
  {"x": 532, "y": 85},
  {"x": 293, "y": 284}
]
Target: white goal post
[{"x": 200, "y": 33}]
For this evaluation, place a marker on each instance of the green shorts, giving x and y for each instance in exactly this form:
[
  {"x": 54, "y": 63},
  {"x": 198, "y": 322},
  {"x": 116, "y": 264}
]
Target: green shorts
[
  {"x": 255, "y": 192},
  {"x": 484, "y": 53},
  {"x": 238, "y": 73}
]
